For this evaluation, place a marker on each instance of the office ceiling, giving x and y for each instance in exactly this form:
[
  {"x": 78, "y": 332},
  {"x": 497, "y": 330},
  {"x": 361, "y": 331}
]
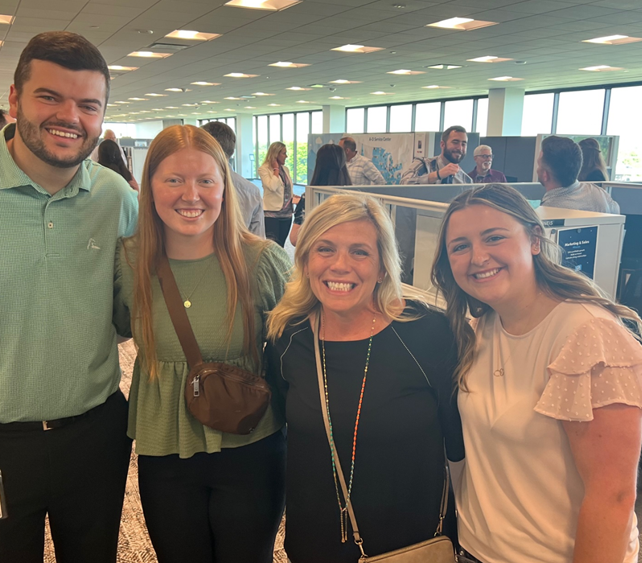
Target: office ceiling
[{"x": 543, "y": 37}]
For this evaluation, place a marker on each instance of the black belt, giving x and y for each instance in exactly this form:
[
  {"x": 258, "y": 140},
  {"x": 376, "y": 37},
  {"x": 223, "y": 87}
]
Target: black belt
[{"x": 44, "y": 425}]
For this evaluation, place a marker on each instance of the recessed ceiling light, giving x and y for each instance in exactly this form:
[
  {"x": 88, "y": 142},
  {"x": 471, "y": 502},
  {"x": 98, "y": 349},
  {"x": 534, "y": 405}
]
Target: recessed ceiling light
[
  {"x": 6, "y": 19},
  {"x": 175, "y": 90},
  {"x": 443, "y": 66},
  {"x": 241, "y": 75},
  {"x": 233, "y": 98},
  {"x": 613, "y": 40},
  {"x": 261, "y": 94},
  {"x": 206, "y": 83},
  {"x": 122, "y": 68},
  {"x": 273, "y": 5},
  {"x": 461, "y": 24},
  {"x": 601, "y": 68},
  {"x": 150, "y": 54},
  {"x": 488, "y": 59},
  {"x": 342, "y": 81},
  {"x": 153, "y": 95},
  {"x": 406, "y": 72},
  {"x": 229, "y": 109},
  {"x": 274, "y": 105},
  {"x": 435, "y": 87},
  {"x": 192, "y": 35},
  {"x": 357, "y": 49},
  {"x": 505, "y": 79},
  {"x": 138, "y": 99},
  {"x": 284, "y": 64},
  {"x": 171, "y": 107},
  {"x": 302, "y": 102},
  {"x": 297, "y": 88},
  {"x": 190, "y": 105},
  {"x": 209, "y": 102},
  {"x": 317, "y": 86},
  {"x": 249, "y": 107},
  {"x": 381, "y": 93},
  {"x": 337, "y": 98}
]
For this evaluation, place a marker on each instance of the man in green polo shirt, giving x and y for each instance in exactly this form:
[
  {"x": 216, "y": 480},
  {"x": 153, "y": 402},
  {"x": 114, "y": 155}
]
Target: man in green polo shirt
[{"x": 63, "y": 445}]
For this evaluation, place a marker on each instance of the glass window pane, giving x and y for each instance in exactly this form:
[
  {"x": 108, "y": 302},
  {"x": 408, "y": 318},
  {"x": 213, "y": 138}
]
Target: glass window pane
[
  {"x": 401, "y": 118},
  {"x": 427, "y": 116},
  {"x": 288, "y": 139},
  {"x": 482, "y": 117},
  {"x": 275, "y": 127},
  {"x": 302, "y": 131},
  {"x": 377, "y": 119},
  {"x": 354, "y": 120},
  {"x": 263, "y": 138},
  {"x": 317, "y": 122},
  {"x": 253, "y": 155},
  {"x": 538, "y": 114},
  {"x": 458, "y": 112},
  {"x": 231, "y": 122},
  {"x": 580, "y": 112},
  {"x": 626, "y": 123}
]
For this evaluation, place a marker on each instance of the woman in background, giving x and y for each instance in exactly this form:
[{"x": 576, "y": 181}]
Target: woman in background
[
  {"x": 593, "y": 165},
  {"x": 329, "y": 170},
  {"x": 550, "y": 391},
  {"x": 277, "y": 193},
  {"x": 110, "y": 155},
  {"x": 207, "y": 496}
]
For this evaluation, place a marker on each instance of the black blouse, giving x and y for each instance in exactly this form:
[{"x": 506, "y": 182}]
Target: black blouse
[{"x": 409, "y": 409}]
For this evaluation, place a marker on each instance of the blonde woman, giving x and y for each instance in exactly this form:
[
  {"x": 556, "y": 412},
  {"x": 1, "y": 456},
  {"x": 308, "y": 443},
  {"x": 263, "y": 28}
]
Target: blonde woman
[
  {"x": 550, "y": 392},
  {"x": 388, "y": 370},
  {"x": 207, "y": 496},
  {"x": 277, "y": 193}
]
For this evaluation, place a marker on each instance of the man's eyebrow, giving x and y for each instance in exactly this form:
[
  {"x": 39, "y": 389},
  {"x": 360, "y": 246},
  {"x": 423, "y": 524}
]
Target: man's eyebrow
[{"x": 54, "y": 93}]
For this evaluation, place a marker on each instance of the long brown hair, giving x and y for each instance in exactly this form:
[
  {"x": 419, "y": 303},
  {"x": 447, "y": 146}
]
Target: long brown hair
[
  {"x": 148, "y": 245},
  {"x": 554, "y": 280},
  {"x": 592, "y": 159}
]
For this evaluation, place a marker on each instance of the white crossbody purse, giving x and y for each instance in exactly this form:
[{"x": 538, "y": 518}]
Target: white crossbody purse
[{"x": 438, "y": 549}]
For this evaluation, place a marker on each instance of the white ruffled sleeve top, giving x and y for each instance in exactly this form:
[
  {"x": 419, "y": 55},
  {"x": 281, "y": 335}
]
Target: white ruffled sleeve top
[{"x": 520, "y": 492}]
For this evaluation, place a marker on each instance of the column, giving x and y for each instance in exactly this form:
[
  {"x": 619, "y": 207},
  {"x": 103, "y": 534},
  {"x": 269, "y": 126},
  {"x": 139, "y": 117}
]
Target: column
[
  {"x": 334, "y": 119},
  {"x": 505, "y": 108},
  {"x": 244, "y": 145}
]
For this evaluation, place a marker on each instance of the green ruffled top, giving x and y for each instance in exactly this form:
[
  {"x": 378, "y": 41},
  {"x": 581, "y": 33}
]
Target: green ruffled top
[{"x": 158, "y": 417}]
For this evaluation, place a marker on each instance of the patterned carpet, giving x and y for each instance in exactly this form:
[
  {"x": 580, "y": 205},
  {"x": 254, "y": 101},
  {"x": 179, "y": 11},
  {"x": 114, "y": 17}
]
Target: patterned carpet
[{"x": 134, "y": 545}]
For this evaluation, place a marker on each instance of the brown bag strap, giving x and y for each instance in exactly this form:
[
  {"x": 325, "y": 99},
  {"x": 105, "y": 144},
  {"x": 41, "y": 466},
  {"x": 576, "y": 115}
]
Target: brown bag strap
[{"x": 178, "y": 314}]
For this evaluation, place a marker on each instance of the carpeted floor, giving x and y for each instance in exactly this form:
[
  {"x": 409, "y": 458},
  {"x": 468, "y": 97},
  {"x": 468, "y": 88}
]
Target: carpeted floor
[{"x": 134, "y": 545}]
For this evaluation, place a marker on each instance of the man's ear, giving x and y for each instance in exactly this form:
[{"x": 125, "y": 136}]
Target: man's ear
[
  {"x": 13, "y": 101},
  {"x": 442, "y": 145}
]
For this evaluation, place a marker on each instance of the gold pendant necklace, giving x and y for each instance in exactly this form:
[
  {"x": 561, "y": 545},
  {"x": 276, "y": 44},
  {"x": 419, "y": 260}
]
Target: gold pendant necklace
[{"x": 187, "y": 303}]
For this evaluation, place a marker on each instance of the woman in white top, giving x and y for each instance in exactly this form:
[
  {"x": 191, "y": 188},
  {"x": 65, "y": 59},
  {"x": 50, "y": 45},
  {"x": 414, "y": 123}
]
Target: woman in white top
[
  {"x": 277, "y": 193},
  {"x": 550, "y": 392}
]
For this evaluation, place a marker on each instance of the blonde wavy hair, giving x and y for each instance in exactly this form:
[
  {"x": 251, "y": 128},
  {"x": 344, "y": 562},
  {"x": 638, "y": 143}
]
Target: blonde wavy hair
[
  {"x": 273, "y": 151},
  {"x": 298, "y": 300},
  {"x": 552, "y": 278},
  {"x": 145, "y": 249}
]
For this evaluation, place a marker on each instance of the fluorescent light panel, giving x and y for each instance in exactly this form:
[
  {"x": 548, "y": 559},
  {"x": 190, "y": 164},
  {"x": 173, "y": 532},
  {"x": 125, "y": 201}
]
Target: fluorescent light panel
[
  {"x": 435, "y": 87},
  {"x": 381, "y": 93},
  {"x": 488, "y": 59},
  {"x": 241, "y": 75},
  {"x": 601, "y": 68},
  {"x": 261, "y": 94},
  {"x": 122, "y": 68},
  {"x": 153, "y": 95},
  {"x": 273, "y": 5},
  {"x": 444, "y": 66},
  {"x": 191, "y": 35},
  {"x": 613, "y": 40},
  {"x": 149, "y": 55},
  {"x": 357, "y": 49},
  {"x": 297, "y": 88},
  {"x": 6, "y": 19},
  {"x": 505, "y": 79},
  {"x": 342, "y": 81},
  {"x": 285, "y": 64},
  {"x": 461, "y": 24},
  {"x": 406, "y": 72},
  {"x": 206, "y": 83}
]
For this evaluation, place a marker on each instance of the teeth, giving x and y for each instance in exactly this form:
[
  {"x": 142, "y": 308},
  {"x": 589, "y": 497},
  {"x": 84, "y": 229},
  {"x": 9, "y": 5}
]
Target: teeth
[
  {"x": 188, "y": 213},
  {"x": 335, "y": 286},
  {"x": 486, "y": 274},
  {"x": 63, "y": 134}
]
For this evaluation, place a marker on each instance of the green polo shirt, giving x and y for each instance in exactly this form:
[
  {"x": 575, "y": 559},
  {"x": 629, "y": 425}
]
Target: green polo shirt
[{"x": 58, "y": 349}]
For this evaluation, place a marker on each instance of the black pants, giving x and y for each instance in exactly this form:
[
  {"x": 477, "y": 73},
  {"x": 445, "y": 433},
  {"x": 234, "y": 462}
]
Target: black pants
[
  {"x": 277, "y": 229},
  {"x": 223, "y": 507},
  {"x": 77, "y": 475}
]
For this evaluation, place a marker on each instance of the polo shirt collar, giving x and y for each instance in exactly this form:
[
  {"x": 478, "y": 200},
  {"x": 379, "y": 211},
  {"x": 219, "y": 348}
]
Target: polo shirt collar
[{"x": 12, "y": 176}]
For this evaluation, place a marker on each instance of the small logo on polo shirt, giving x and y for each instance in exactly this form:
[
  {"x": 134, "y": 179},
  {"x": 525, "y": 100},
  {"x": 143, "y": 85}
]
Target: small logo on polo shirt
[{"x": 91, "y": 245}]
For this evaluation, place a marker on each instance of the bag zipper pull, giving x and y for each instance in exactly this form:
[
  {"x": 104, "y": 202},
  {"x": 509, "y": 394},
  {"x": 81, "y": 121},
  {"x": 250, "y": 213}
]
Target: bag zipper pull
[{"x": 196, "y": 384}]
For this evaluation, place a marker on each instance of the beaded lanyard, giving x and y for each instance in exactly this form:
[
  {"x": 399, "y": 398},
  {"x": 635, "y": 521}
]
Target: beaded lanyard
[{"x": 343, "y": 508}]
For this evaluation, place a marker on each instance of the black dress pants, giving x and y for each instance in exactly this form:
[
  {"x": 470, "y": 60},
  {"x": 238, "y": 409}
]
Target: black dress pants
[
  {"x": 77, "y": 475},
  {"x": 277, "y": 229},
  {"x": 223, "y": 507}
]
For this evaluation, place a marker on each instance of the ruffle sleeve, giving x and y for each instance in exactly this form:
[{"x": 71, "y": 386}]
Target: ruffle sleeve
[{"x": 600, "y": 364}]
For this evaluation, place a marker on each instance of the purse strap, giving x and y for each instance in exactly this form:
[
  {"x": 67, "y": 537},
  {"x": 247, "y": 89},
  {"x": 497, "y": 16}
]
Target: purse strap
[
  {"x": 443, "y": 507},
  {"x": 178, "y": 314}
]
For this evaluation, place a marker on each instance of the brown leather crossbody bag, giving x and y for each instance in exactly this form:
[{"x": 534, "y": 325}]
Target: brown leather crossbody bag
[{"x": 218, "y": 395}]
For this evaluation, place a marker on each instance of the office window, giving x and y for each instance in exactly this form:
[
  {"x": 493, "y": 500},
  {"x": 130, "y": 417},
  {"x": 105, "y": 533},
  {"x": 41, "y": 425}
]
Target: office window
[
  {"x": 401, "y": 118},
  {"x": 262, "y": 135},
  {"x": 427, "y": 116},
  {"x": 317, "y": 122},
  {"x": 458, "y": 112},
  {"x": 231, "y": 122},
  {"x": 302, "y": 131},
  {"x": 625, "y": 120},
  {"x": 580, "y": 112},
  {"x": 482, "y": 117},
  {"x": 537, "y": 116},
  {"x": 275, "y": 127},
  {"x": 377, "y": 117},
  {"x": 354, "y": 120},
  {"x": 287, "y": 138}
]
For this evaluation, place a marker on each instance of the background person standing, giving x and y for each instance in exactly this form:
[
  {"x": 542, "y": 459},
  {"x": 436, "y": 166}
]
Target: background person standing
[{"x": 277, "y": 193}]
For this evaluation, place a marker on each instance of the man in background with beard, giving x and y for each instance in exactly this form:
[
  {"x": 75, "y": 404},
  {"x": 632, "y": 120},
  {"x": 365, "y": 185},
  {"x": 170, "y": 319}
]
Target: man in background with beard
[
  {"x": 444, "y": 168},
  {"x": 64, "y": 450}
]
